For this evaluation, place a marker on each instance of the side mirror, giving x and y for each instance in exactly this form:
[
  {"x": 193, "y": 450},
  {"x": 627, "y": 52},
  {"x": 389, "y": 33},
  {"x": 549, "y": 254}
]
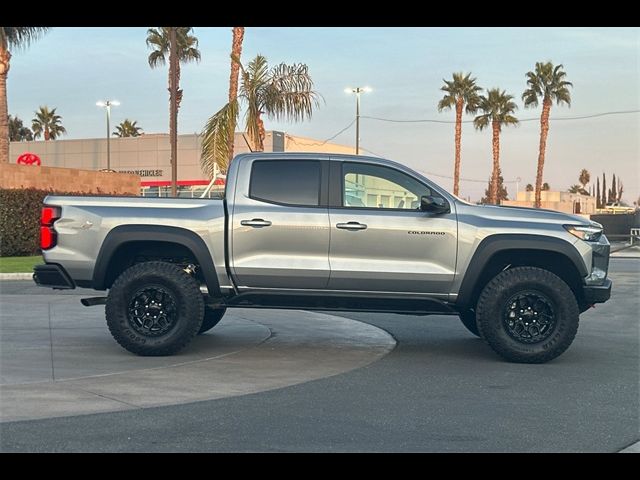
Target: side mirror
[{"x": 429, "y": 203}]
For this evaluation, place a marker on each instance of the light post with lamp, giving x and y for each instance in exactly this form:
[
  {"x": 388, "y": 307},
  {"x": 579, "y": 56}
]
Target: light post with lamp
[
  {"x": 108, "y": 104},
  {"x": 357, "y": 91}
]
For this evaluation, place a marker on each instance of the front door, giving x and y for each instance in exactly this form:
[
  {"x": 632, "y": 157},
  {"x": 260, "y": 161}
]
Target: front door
[
  {"x": 381, "y": 241},
  {"x": 280, "y": 233}
]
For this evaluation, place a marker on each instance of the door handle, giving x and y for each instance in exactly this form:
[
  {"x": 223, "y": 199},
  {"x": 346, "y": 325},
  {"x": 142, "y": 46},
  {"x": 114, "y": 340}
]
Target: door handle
[
  {"x": 351, "y": 226},
  {"x": 256, "y": 222}
]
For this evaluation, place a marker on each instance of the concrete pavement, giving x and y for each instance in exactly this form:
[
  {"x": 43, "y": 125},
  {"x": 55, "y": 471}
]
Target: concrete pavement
[{"x": 57, "y": 357}]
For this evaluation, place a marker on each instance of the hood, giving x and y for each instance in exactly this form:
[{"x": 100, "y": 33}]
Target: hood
[{"x": 524, "y": 214}]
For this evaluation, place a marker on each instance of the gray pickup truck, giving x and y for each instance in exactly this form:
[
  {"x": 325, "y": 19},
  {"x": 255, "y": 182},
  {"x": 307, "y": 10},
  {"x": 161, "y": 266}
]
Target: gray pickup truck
[{"x": 326, "y": 232}]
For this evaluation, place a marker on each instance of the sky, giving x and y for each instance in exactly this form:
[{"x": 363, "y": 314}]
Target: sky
[{"x": 72, "y": 68}]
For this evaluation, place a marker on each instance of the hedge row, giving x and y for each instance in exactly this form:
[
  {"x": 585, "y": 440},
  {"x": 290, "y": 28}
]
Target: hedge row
[{"x": 20, "y": 219}]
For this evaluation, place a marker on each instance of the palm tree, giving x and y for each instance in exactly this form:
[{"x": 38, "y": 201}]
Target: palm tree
[
  {"x": 576, "y": 189},
  {"x": 127, "y": 128},
  {"x": 236, "y": 52},
  {"x": 546, "y": 187},
  {"x": 47, "y": 123},
  {"x": 18, "y": 132},
  {"x": 10, "y": 38},
  {"x": 282, "y": 92},
  {"x": 529, "y": 187},
  {"x": 546, "y": 84},
  {"x": 461, "y": 92},
  {"x": 497, "y": 109},
  {"x": 584, "y": 178}
]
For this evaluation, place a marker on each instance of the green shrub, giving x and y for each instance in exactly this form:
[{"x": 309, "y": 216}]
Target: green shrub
[{"x": 20, "y": 220}]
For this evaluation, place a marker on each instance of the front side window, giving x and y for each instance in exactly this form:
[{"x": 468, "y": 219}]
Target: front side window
[
  {"x": 289, "y": 182},
  {"x": 375, "y": 186}
]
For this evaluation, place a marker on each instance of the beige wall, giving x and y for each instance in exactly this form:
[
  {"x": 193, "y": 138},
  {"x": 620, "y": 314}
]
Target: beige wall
[
  {"x": 148, "y": 155},
  {"x": 556, "y": 200},
  {"x": 67, "y": 179}
]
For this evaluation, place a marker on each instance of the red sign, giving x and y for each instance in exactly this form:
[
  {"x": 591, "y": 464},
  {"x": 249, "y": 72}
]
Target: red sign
[{"x": 28, "y": 158}]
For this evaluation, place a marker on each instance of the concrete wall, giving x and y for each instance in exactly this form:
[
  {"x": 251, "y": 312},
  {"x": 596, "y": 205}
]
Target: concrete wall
[
  {"x": 148, "y": 155},
  {"x": 556, "y": 200},
  {"x": 67, "y": 179}
]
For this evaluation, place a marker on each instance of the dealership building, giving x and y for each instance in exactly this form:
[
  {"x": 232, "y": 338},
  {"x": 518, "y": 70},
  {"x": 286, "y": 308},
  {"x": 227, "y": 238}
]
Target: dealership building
[{"x": 149, "y": 156}]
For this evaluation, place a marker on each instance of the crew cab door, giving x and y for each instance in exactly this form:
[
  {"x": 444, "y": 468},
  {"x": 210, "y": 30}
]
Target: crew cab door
[
  {"x": 380, "y": 240},
  {"x": 279, "y": 228}
]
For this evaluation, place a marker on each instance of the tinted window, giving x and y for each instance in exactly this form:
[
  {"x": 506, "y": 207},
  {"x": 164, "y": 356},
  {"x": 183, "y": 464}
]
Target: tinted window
[
  {"x": 373, "y": 186},
  {"x": 293, "y": 182}
]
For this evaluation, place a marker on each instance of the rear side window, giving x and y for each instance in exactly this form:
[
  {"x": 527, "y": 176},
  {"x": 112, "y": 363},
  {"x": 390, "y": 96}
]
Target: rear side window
[{"x": 290, "y": 182}]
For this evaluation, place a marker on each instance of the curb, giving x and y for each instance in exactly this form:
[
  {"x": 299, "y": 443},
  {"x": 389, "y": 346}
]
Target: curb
[{"x": 16, "y": 276}]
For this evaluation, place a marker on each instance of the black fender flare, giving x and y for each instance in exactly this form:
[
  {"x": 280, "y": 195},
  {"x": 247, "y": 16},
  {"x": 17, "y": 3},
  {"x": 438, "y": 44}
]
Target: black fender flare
[
  {"x": 494, "y": 244},
  {"x": 124, "y": 234}
]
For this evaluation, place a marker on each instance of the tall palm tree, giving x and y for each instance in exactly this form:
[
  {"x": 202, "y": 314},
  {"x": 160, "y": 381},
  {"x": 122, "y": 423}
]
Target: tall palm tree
[
  {"x": 10, "y": 38},
  {"x": 187, "y": 49},
  {"x": 18, "y": 132},
  {"x": 236, "y": 52},
  {"x": 283, "y": 92},
  {"x": 497, "y": 109},
  {"x": 461, "y": 92},
  {"x": 584, "y": 178},
  {"x": 546, "y": 83},
  {"x": 47, "y": 124},
  {"x": 127, "y": 128}
]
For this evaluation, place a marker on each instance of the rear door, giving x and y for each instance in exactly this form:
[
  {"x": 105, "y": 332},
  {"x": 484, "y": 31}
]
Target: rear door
[
  {"x": 280, "y": 224},
  {"x": 380, "y": 240}
]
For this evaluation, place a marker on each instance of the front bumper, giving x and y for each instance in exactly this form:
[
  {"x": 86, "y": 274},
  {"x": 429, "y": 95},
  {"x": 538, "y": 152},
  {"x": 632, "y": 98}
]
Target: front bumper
[
  {"x": 52, "y": 275},
  {"x": 597, "y": 293}
]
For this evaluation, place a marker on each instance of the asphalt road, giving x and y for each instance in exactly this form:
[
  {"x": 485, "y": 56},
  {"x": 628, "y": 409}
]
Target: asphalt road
[{"x": 439, "y": 390}]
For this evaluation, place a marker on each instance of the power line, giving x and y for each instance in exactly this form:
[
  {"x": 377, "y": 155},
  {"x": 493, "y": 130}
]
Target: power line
[
  {"x": 319, "y": 144},
  {"x": 532, "y": 119},
  {"x": 432, "y": 174}
]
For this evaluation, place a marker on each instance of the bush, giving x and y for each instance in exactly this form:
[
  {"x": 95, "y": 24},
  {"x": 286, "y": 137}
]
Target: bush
[{"x": 20, "y": 220}]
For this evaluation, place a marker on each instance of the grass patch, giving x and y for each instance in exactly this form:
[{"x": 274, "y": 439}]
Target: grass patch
[{"x": 19, "y": 264}]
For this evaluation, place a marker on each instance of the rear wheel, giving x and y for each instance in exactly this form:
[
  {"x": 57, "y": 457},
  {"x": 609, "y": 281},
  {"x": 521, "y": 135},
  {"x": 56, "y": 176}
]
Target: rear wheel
[
  {"x": 211, "y": 318},
  {"x": 527, "y": 315},
  {"x": 154, "y": 308}
]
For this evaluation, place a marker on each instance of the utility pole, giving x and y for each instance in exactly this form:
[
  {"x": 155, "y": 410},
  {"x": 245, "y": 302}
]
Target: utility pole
[{"x": 357, "y": 91}]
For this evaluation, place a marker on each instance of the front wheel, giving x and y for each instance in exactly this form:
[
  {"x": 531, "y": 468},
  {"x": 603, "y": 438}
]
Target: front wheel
[
  {"x": 527, "y": 315},
  {"x": 154, "y": 308}
]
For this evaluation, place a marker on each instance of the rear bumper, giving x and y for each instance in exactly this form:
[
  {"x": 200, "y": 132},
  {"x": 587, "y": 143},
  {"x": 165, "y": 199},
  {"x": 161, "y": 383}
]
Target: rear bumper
[
  {"x": 53, "y": 276},
  {"x": 597, "y": 293}
]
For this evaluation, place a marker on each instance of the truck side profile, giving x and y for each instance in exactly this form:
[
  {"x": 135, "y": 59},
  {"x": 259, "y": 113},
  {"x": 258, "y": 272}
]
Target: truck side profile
[{"x": 326, "y": 232}]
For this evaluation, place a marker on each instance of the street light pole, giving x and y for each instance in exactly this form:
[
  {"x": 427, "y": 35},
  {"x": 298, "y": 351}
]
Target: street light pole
[
  {"x": 357, "y": 91},
  {"x": 173, "y": 113},
  {"x": 107, "y": 104}
]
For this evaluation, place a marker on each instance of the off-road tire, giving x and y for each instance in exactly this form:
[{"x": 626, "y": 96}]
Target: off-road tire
[
  {"x": 493, "y": 303},
  {"x": 211, "y": 318},
  {"x": 188, "y": 309},
  {"x": 468, "y": 319}
]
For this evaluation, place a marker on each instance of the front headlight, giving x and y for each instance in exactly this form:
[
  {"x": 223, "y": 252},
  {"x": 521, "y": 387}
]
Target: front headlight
[{"x": 584, "y": 232}]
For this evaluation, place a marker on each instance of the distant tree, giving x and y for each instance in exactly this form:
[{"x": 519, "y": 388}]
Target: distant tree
[
  {"x": 576, "y": 189},
  {"x": 529, "y": 187},
  {"x": 598, "y": 198},
  {"x": 460, "y": 93},
  {"x": 11, "y": 38},
  {"x": 127, "y": 128},
  {"x": 545, "y": 187},
  {"x": 18, "y": 132},
  {"x": 546, "y": 83},
  {"x": 613, "y": 190},
  {"x": 603, "y": 202},
  {"x": 497, "y": 109},
  {"x": 585, "y": 177},
  {"x": 47, "y": 124},
  {"x": 502, "y": 190},
  {"x": 620, "y": 190}
]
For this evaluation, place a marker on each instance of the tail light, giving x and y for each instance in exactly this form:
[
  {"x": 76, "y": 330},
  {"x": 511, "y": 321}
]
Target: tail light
[{"x": 48, "y": 236}]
